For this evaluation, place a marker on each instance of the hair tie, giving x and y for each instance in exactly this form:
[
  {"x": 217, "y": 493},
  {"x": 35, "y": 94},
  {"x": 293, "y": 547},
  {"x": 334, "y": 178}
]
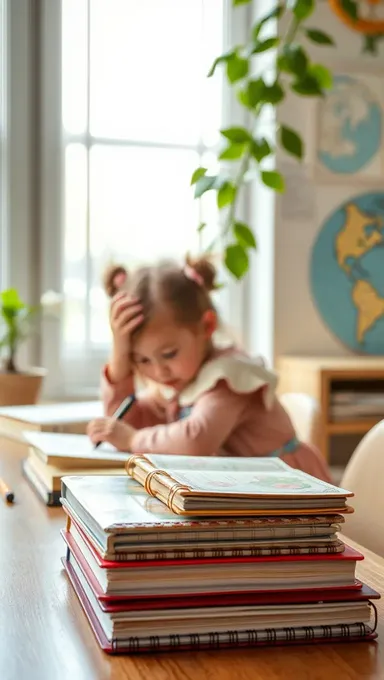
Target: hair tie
[{"x": 193, "y": 275}]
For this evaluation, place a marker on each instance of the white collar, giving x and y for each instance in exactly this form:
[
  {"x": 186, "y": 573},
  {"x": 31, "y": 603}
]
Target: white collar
[{"x": 242, "y": 374}]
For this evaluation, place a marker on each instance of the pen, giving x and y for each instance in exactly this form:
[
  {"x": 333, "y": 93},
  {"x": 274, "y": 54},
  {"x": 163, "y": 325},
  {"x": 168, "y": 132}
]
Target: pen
[
  {"x": 7, "y": 494},
  {"x": 122, "y": 410}
]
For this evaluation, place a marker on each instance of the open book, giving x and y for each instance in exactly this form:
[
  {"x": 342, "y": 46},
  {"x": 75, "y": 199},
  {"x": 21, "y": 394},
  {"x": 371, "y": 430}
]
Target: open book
[{"x": 194, "y": 485}]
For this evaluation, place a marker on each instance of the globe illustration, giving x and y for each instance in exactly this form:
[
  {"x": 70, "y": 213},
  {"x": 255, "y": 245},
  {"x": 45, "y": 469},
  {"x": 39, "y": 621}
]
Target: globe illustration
[
  {"x": 350, "y": 126},
  {"x": 347, "y": 273}
]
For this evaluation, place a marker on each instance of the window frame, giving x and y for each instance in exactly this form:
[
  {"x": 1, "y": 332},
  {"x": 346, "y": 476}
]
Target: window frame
[{"x": 60, "y": 381}]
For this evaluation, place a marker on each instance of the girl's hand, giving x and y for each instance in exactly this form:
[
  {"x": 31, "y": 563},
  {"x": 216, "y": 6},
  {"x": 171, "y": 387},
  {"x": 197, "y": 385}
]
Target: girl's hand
[
  {"x": 110, "y": 430},
  {"x": 126, "y": 314}
]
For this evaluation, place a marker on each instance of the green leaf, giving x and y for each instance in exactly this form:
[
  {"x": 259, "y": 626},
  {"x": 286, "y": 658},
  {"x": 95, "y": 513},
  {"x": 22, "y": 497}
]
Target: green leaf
[
  {"x": 303, "y": 9},
  {"x": 257, "y": 92},
  {"x": 233, "y": 152},
  {"x": 237, "y": 68},
  {"x": 236, "y": 260},
  {"x": 253, "y": 93},
  {"x": 319, "y": 37},
  {"x": 291, "y": 141},
  {"x": 307, "y": 86},
  {"x": 293, "y": 60},
  {"x": 275, "y": 13},
  {"x": 260, "y": 149},
  {"x": 204, "y": 184},
  {"x": 199, "y": 172},
  {"x": 244, "y": 235},
  {"x": 273, "y": 94},
  {"x": 238, "y": 135},
  {"x": 221, "y": 60},
  {"x": 201, "y": 227},
  {"x": 260, "y": 46},
  {"x": 240, "y": 2},
  {"x": 10, "y": 298},
  {"x": 322, "y": 74},
  {"x": 273, "y": 180},
  {"x": 351, "y": 8},
  {"x": 226, "y": 195}
]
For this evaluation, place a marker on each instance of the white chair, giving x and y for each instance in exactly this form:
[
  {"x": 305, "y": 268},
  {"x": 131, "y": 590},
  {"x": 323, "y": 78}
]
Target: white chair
[
  {"x": 304, "y": 413},
  {"x": 364, "y": 475}
]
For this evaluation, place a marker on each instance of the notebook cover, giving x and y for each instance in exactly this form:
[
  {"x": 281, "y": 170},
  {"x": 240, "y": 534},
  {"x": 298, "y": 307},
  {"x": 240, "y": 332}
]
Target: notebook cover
[
  {"x": 194, "y": 643},
  {"x": 348, "y": 554},
  {"x": 73, "y": 549},
  {"x": 73, "y": 451},
  {"x": 261, "y": 479},
  {"x": 262, "y": 598}
]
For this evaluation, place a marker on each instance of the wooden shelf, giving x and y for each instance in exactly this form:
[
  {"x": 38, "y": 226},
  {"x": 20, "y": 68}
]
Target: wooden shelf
[
  {"x": 321, "y": 377},
  {"x": 352, "y": 426}
]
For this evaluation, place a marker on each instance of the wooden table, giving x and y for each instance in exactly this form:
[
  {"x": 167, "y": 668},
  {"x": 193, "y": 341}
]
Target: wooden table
[{"x": 44, "y": 634}]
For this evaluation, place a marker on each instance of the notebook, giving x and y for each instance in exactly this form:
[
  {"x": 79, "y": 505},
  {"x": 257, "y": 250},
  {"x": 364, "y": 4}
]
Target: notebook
[
  {"x": 74, "y": 451},
  {"x": 189, "y": 577},
  {"x": 119, "y": 517},
  {"x": 236, "y": 626},
  {"x": 46, "y": 479},
  {"x": 234, "y": 486},
  {"x": 200, "y": 550},
  {"x": 70, "y": 417}
]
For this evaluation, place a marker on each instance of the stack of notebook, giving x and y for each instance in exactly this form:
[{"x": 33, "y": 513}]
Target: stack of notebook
[
  {"x": 194, "y": 553},
  {"x": 52, "y": 455}
]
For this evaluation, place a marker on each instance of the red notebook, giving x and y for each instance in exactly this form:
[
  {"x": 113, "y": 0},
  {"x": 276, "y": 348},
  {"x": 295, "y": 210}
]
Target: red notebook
[
  {"x": 218, "y": 640},
  {"x": 74, "y": 550},
  {"x": 347, "y": 554}
]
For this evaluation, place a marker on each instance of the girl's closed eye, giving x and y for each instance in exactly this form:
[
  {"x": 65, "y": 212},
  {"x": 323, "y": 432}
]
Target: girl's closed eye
[
  {"x": 172, "y": 354},
  {"x": 141, "y": 360}
]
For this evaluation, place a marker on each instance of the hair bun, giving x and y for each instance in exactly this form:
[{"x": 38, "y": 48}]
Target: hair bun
[
  {"x": 114, "y": 279},
  {"x": 204, "y": 267}
]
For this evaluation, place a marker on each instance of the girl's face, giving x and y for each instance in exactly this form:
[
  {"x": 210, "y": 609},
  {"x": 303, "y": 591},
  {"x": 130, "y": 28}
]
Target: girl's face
[{"x": 171, "y": 354}]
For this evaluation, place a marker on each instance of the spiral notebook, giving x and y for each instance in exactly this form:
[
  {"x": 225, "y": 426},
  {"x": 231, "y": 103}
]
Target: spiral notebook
[
  {"x": 121, "y": 519},
  {"x": 236, "y": 626},
  {"x": 195, "y": 485}
]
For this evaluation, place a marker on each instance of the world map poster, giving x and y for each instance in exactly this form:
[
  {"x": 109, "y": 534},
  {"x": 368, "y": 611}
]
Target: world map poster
[{"x": 347, "y": 272}]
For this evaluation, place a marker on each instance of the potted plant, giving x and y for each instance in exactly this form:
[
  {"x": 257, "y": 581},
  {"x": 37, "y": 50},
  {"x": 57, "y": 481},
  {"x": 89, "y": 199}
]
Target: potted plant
[{"x": 17, "y": 319}]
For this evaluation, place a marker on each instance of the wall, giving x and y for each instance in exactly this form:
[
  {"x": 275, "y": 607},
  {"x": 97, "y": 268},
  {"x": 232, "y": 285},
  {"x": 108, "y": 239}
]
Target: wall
[{"x": 298, "y": 328}]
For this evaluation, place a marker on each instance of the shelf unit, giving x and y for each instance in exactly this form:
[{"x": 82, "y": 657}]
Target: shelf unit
[{"x": 317, "y": 376}]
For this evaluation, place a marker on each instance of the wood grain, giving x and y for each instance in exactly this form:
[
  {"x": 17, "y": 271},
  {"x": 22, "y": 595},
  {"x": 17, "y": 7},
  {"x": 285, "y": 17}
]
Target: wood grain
[{"x": 45, "y": 636}]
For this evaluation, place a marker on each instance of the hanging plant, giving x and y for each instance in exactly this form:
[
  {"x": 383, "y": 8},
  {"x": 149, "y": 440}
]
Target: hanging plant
[{"x": 244, "y": 148}]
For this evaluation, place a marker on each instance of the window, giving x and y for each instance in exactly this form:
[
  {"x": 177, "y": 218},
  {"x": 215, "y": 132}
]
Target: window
[
  {"x": 4, "y": 258},
  {"x": 138, "y": 116},
  {"x": 126, "y": 114}
]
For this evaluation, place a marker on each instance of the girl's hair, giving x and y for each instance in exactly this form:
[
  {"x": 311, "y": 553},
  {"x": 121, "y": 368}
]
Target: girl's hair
[{"x": 186, "y": 289}]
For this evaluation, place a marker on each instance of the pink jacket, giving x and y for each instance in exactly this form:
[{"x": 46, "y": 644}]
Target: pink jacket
[{"x": 232, "y": 411}]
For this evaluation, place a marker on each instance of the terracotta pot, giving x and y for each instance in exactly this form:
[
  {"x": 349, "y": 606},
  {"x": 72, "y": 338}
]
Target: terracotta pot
[{"x": 21, "y": 388}]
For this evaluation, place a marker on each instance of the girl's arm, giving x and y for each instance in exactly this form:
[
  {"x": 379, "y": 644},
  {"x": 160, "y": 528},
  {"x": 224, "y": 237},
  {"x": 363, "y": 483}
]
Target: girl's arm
[
  {"x": 216, "y": 414},
  {"x": 146, "y": 412}
]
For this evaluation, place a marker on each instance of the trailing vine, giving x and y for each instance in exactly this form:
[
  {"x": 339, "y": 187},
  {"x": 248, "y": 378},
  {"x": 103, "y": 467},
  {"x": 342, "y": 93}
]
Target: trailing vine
[{"x": 245, "y": 149}]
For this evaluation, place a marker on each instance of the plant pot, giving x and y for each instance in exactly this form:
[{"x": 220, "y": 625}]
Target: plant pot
[{"x": 21, "y": 388}]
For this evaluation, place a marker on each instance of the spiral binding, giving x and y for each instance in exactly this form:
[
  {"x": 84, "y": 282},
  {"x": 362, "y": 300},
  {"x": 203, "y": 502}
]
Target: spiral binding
[{"x": 247, "y": 638}]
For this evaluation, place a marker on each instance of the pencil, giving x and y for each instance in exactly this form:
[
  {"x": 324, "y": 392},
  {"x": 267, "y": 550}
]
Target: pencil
[
  {"x": 122, "y": 410},
  {"x": 6, "y": 492}
]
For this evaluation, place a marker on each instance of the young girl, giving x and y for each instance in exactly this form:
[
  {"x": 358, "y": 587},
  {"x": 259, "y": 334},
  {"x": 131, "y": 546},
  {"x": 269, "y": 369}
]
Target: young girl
[{"x": 209, "y": 401}]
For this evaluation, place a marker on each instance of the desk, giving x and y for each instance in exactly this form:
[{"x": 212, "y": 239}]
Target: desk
[{"x": 44, "y": 634}]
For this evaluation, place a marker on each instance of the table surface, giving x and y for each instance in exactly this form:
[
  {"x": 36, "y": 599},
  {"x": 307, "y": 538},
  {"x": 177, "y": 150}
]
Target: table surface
[{"x": 44, "y": 634}]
